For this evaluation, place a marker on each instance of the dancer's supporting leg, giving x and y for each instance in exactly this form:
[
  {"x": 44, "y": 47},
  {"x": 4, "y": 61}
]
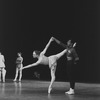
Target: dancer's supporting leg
[
  {"x": 53, "y": 70},
  {"x": 16, "y": 75},
  {"x": 0, "y": 74},
  {"x": 52, "y": 64},
  {"x": 20, "y": 73},
  {"x": 3, "y": 74}
]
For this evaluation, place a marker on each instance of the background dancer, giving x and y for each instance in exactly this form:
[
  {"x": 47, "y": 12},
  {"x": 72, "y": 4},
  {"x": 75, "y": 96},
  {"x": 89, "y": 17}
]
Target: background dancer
[
  {"x": 2, "y": 68},
  {"x": 51, "y": 61},
  {"x": 19, "y": 65},
  {"x": 72, "y": 58}
]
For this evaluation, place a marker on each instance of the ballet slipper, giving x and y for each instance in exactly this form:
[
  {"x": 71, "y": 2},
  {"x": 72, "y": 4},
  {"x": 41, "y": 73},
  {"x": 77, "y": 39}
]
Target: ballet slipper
[
  {"x": 19, "y": 80},
  {"x": 14, "y": 80},
  {"x": 49, "y": 90}
]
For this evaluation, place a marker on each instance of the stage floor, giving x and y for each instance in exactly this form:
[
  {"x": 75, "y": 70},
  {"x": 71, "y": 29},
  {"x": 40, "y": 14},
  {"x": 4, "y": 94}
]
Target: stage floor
[{"x": 37, "y": 90}]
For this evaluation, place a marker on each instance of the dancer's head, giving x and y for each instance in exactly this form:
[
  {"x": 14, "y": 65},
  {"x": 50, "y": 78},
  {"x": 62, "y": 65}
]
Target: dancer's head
[
  {"x": 69, "y": 44},
  {"x": 36, "y": 53},
  {"x": 19, "y": 53}
]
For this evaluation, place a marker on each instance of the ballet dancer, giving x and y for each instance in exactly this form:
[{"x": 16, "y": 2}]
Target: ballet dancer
[
  {"x": 51, "y": 61},
  {"x": 72, "y": 59},
  {"x": 2, "y": 68},
  {"x": 19, "y": 65}
]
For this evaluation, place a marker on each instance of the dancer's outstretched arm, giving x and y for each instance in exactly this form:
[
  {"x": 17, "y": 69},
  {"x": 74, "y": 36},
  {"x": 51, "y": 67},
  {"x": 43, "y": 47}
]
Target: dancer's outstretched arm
[
  {"x": 62, "y": 44},
  {"x": 31, "y": 65},
  {"x": 59, "y": 42},
  {"x": 45, "y": 49}
]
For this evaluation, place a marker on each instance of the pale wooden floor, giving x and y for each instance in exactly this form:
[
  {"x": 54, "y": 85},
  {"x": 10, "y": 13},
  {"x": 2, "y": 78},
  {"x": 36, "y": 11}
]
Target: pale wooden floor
[{"x": 37, "y": 90}]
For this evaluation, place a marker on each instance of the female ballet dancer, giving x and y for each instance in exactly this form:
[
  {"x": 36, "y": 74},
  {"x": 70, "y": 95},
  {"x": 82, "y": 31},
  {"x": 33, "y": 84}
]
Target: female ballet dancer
[
  {"x": 51, "y": 61},
  {"x": 19, "y": 65},
  {"x": 2, "y": 67}
]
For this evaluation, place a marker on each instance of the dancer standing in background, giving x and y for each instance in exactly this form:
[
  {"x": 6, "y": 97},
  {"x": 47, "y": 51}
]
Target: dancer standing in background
[
  {"x": 2, "y": 68},
  {"x": 72, "y": 58},
  {"x": 51, "y": 61},
  {"x": 19, "y": 65}
]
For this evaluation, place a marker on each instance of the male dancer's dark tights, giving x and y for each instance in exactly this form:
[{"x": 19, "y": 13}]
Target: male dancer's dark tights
[{"x": 71, "y": 73}]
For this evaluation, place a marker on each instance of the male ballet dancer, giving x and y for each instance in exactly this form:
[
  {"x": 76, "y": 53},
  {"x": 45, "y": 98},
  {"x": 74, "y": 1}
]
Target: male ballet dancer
[
  {"x": 51, "y": 61},
  {"x": 72, "y": 58},
  {"x": 2, "y": 68},
  {"x": 19, "y": 65}
]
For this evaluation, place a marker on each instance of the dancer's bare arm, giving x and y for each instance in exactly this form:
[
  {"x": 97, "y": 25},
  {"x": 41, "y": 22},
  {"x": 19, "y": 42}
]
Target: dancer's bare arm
[
  {"x": 3, "y": 58},
  {"x": 31, "y": 65},
  {"x": 21, "y": 59},
  {"x": 59, "y": 42},
  {"x": 45, "y": 49}
]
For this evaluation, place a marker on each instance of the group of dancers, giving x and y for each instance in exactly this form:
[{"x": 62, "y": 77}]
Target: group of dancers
[{"x": 51, "y": 61}]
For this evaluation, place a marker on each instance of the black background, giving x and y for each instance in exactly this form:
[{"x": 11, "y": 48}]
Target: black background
[{"x": 27, "y": 25}]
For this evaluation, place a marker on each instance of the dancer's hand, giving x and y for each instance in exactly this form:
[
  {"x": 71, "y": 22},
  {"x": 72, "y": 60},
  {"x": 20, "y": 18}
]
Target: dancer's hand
[
  {"x": 56, "y": 40},
  {"x": 74, "y": 44},
  {"x": 52, "y": 39}
]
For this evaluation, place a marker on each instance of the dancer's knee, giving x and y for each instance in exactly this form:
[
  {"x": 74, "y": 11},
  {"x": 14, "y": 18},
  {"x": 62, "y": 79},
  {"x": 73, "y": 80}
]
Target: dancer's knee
[
  {"x": 20, "y": 72},
  {"x": 3, "y": 71},
  {"x": 53, "y": 78}
]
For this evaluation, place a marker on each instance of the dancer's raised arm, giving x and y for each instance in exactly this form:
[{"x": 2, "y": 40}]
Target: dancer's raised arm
[
  {"x": 45, "y": 49},
  {"x": 59, "y": 42}
]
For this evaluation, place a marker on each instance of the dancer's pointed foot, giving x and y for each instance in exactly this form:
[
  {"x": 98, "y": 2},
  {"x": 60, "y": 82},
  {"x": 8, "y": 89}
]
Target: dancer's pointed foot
[
  {"x": 49, "y": 90},
  {"x": 14, "y": 80},
  {"x": 19, "y": 80},
  {"x": 3, "y": 81}
]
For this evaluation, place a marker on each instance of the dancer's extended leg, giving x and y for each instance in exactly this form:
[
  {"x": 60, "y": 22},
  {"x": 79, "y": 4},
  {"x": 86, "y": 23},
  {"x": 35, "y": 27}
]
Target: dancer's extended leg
[{"x": 59, "y": 55}]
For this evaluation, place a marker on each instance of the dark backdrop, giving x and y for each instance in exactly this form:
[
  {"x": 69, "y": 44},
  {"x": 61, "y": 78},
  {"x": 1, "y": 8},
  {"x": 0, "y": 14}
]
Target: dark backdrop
[{"x": 27, "y": 25}]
